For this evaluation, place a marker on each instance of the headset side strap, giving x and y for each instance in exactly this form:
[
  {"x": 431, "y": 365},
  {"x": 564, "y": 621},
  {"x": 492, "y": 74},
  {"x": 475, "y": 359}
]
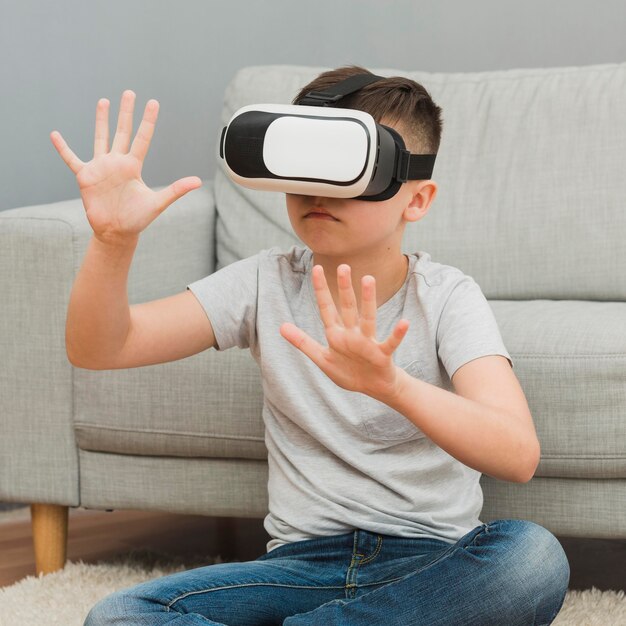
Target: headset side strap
[{"x": 420, "y": 167}]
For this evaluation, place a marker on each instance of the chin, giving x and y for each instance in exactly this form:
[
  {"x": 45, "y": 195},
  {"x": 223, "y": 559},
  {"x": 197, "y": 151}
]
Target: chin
[{"x": 315, "y": 244}]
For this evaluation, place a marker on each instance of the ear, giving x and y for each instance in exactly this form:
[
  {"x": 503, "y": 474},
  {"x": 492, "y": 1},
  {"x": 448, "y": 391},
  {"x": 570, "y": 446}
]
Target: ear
[{"x": 423, "y": 193}]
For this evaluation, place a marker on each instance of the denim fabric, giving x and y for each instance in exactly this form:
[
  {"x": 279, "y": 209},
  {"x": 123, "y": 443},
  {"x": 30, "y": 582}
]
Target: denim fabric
[{"x": 507, "y": 572}]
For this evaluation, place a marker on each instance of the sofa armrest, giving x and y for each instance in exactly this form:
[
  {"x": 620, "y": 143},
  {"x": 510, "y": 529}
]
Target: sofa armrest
[{"x": 41, "y": 250}]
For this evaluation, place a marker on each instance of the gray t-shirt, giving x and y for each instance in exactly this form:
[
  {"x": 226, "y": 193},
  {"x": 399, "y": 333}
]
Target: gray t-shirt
[{"x": 340, "y": 460}]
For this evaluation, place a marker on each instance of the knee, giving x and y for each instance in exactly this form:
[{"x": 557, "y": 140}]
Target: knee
[
  {"x": 542, "y": 553},
  {"x": 536, "y": 556}
]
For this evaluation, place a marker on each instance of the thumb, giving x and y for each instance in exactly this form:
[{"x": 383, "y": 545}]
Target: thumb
[{"x": 179, "y": 188}]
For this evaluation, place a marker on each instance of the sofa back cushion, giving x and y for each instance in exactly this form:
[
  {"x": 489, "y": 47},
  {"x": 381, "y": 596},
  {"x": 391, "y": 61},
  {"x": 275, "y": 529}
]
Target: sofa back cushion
[{"x": 532, "y": 185}]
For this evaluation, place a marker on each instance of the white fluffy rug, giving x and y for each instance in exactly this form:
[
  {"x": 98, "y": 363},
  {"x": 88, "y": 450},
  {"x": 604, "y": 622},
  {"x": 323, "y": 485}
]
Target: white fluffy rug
[{"x": 44, "y": 600}]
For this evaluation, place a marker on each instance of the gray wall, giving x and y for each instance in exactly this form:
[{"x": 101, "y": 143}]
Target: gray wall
[{"x": 59, "y": 58}]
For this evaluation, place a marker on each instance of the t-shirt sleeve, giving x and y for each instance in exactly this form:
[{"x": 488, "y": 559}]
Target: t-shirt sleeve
[
  {"x": 467, "y": 327},
  {"x": 229, "y": 298}
]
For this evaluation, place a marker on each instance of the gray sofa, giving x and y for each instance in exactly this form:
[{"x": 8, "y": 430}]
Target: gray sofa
[{"x": 532, "y": 204}]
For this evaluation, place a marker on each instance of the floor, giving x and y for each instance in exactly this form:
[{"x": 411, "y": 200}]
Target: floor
[{"x": 99, "y": 535}]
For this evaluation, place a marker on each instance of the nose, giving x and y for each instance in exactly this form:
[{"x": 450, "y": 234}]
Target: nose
[{"x": 323, "y": 201}]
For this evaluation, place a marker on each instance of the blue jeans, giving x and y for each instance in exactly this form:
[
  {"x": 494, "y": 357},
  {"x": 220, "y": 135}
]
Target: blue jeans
[{"x": 506, "y": 572}]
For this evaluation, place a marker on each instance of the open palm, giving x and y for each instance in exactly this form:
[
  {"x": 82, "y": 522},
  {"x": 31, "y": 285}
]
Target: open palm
[
  {"x": 118, "y": 204},
  {"x": 353, "y": 359}
]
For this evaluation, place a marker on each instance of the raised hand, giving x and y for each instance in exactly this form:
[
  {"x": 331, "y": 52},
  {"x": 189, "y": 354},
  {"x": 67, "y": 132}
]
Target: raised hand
[
  {"x": 354, "y": 359},
  {"x": 118, "y": 203}
]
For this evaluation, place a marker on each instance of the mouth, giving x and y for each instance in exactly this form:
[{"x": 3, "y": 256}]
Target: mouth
[{"x": 320, "y": 214}]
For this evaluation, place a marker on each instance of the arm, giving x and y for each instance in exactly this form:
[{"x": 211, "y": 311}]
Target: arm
[
  {"x": 98, "y": 315},
  {"x": 103, "y": 332},
  {"x": 490, "y": 429}
]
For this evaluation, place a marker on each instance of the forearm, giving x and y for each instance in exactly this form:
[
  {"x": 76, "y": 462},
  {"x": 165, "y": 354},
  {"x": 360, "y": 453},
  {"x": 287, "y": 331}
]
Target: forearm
[
  {"x": 98, "y": 316},
  {"x": 481, "y": 437}
]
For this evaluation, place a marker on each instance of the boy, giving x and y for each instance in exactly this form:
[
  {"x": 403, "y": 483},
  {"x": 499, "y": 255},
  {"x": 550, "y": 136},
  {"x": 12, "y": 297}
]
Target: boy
[{"x": 374, "y": 460}]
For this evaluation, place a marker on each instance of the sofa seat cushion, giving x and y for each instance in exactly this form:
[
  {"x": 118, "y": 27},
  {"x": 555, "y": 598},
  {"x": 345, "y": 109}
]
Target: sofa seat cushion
[
  {"x": 570, "y": 358},
  {"x": 207, "y": 405}
]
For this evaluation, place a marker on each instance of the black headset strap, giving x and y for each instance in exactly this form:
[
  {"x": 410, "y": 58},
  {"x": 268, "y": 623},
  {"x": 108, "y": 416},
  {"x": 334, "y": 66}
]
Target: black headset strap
[
  {"x": 411, "y": 166},
  {"x": 343, "y": 88},
  {"x": 421, "y": 166}
]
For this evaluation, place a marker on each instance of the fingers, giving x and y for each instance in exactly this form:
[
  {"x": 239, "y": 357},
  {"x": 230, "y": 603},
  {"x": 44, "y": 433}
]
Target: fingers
[
  {"x": 73, "y": 162},
  {"x": 299, "y": 339},
  {"x": 170, "y": 194},
  {"x": 349, "y": 312},
  {"x": 101, "y": 139},
  {"x": 347, "y": 299},
  {"x": 142, "y": 140},
  {"x": 368, "y": 307},
  {"x": 325, "y": 302},
  {"x": 121, "y": 141},
  {"x": 393, "y": 341},
  {"x": 141, "y": 143}
]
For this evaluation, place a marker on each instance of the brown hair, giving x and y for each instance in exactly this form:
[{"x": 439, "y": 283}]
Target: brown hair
[{"x": 396, "y": 101}]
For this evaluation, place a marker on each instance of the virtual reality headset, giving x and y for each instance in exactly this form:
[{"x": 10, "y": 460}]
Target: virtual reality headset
[{"x": 314, "y": 149}]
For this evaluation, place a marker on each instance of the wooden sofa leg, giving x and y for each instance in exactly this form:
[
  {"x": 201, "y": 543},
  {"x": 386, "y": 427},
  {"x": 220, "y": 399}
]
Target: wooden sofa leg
[{"x": 49, "y": 524}]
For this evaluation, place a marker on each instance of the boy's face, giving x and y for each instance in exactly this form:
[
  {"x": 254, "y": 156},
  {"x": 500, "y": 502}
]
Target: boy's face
[{"x": 348, "y": 227}]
